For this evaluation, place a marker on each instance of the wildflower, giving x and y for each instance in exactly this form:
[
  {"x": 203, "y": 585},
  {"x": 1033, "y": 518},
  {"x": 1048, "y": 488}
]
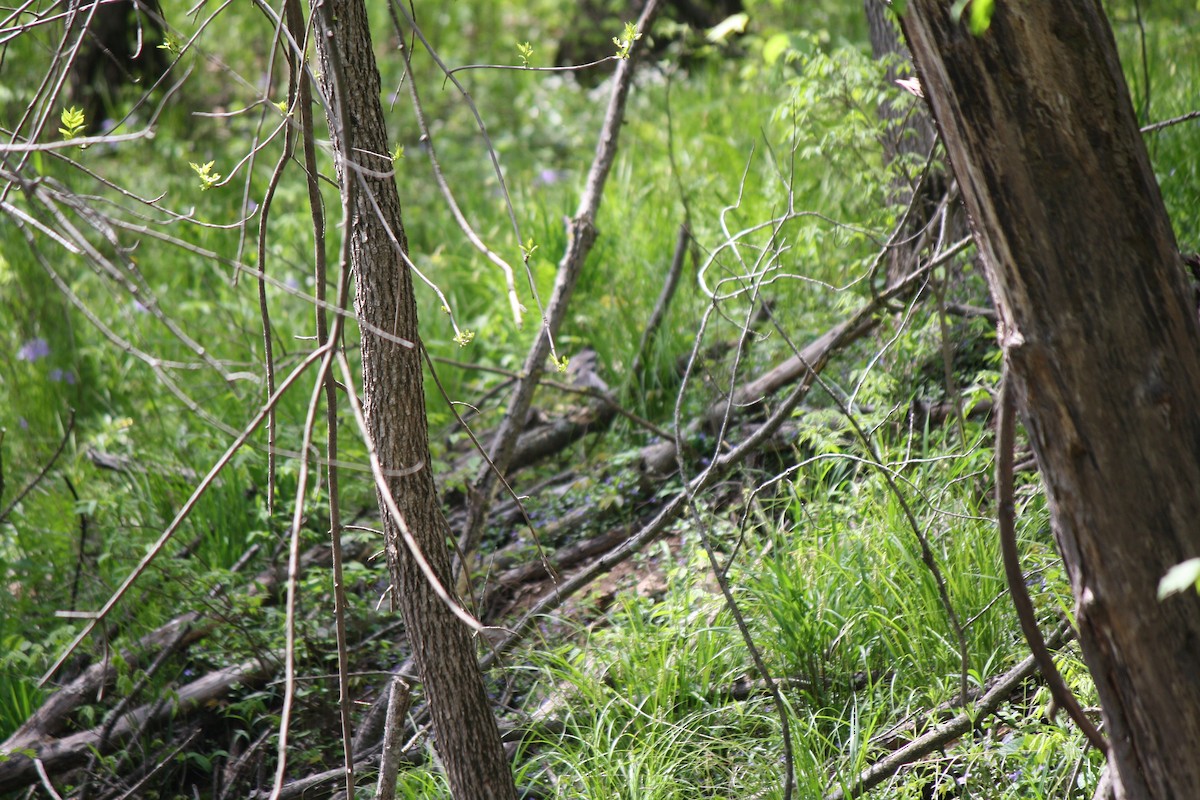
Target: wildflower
[
  {"x": 549, "y": 177},
  {"x": 33, "y": 350}
]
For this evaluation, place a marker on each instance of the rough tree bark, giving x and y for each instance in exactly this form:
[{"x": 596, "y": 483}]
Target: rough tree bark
[
  {"x": 468, "y": 739},
  {"x": 1102, "y": 341}
]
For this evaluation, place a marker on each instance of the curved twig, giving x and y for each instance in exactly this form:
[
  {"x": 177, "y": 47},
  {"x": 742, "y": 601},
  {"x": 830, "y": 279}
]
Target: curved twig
[{"x": 1062, "y": 694}]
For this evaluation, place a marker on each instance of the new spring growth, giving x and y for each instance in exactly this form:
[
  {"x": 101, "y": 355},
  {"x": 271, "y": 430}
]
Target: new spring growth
[
  {"x": 208, "y": 178},
  {"x": 528, "y": 249},
  {"x": 73, "y": 123},
  {"x": 524, "y": 52},
  {"x": 625, "y": 41}
]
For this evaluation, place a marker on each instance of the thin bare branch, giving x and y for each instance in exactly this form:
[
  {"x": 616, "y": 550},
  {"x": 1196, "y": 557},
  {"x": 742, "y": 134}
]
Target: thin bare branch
[
  {"x": 581, "y": 235},
  {"x": 156, "y": 548},
  {"x": 62, "y": 444}
]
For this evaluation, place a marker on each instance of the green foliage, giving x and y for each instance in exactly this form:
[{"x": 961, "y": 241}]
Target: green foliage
[
  {"x": 524, "y": 52},
  {"x": 625, "y": 41},
  {"x": 208, "y": 178},
  {"x": 171, "y": 45},
  {"x": 979, "y": 14},
  {"x": 73, "y": 122},
  {"x": 641, "y": 702}
]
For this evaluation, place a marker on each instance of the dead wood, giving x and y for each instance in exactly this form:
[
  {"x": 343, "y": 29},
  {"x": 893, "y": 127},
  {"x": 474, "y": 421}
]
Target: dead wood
[
  {"x": 500, "y": 589},
  {"x": 565, "y": 558},
  {"x": 581, "y": 236},
  {"x": 650, "y": 531},
  {"x": 946, "y": 732},
  {"x": 18, "y": 769},
  {"x": 43, "y": 727},
  {"x": 659, "y": 313},
  {"x": 53, "y": 715},
  {"x": 554, "y": 436},
  {"x": 660, "y": 458}
]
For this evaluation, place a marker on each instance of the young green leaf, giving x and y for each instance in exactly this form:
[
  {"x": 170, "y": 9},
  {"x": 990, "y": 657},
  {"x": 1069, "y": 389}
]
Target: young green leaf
[
  {"x": 625, "y": 41},
  {"x": 524, "y": 52},
  {"x": 208, "y": 178},
  {"x": 73, "y": 122}
]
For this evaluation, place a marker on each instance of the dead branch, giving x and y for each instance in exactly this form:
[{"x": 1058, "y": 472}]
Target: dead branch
[
  {"x": 18, "y": 769},
  {"x": 564, "y": 559},
  {"x": 946, "y": 732},
  {"x": 664, "y": 300},
  {"x": 581, "y": 235},
  {"x": 53, "y": 715},
  {"x": 66, "y": 437},
  {"x": 660, "y": 458},
  {"x": 1006, "y": 508},
  {"x": 553, "y": 437}
]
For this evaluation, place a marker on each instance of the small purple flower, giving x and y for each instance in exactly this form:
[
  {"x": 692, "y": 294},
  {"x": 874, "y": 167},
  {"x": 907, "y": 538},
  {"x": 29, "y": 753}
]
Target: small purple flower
[
  {"x": 549, "y": 177},
  {"x": 62, "y": 376},
  {"x": 33, "y": 350},
  {"x": 251, "y": 206},
  {"x": 23, "y": 423},
  {"x": 138, "y": 307},
  {"x": 292, "y": 283}
]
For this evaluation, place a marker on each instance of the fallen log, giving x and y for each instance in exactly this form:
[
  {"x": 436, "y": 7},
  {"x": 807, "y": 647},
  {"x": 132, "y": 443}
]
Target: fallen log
[
  {"x": 53, "y": 715},
  {"x": 18, "y": 768}
]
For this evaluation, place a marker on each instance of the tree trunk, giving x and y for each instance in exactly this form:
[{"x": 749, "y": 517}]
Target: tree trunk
[
  {"x": 468, "y": 740},
  {"x": 1102, "y": 341}
]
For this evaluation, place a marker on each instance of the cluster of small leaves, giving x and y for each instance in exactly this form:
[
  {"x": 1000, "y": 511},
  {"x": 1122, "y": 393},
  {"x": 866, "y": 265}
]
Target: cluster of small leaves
[
  {"x": 170, "y": 44},
  {"x": 625, "y": 41},
  {"x": 524, "y": 52},
  {"x": 528, "y": 248},
  {"x": 208, "y": 178},
  {"x": 73, "y": 123}
]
